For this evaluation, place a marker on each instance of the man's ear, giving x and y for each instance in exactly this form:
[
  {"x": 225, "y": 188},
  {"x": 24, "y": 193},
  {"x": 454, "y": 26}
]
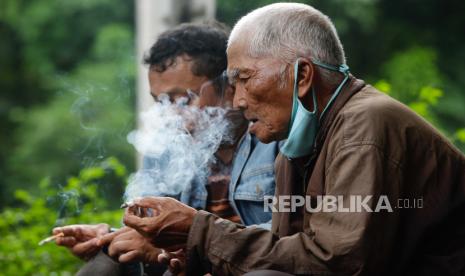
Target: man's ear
[
  {"x": 228, "y": 96},
  {"x": 304, "y": 77}
]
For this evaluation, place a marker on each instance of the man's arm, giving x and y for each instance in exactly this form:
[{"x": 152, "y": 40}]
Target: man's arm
[
  {"x": 335, "y": 242},
  {"x": 265, "y": 225}
]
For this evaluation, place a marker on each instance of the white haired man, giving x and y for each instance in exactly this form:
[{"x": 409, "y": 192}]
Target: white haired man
[{"x": 361, "y": 151}]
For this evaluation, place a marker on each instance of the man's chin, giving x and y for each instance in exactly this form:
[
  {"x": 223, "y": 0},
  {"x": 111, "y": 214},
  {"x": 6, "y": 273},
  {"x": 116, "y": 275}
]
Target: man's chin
[{"x": 265, "y": 138}]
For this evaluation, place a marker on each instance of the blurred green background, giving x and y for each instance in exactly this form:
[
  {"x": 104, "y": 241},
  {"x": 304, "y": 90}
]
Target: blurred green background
[{"x": 67, "y": 78}]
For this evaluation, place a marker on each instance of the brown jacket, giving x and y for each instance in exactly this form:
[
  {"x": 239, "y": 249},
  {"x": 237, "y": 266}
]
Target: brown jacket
[{"x": 369, "y": 144}]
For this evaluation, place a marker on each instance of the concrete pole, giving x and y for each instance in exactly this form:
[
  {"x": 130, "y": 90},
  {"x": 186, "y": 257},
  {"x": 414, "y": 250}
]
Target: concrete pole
[{"x": 152, "y": 18}]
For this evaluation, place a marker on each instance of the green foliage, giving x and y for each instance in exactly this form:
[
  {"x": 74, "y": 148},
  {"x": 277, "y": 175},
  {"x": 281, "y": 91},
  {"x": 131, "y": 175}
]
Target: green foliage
[
  {"x": 67, "y": 78},
  {"x": 411, "y": 71},
  {"x": 413, "y": 78},
  {"x": 79, "y": 201},
  {"x": 422, "y": 102},
  {"x": 459, "y": 138},
  {"x": 85, "y": 121}
]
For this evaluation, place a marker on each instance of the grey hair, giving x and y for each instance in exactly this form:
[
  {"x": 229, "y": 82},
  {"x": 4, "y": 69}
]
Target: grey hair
[{"x": 287, "y": 31}]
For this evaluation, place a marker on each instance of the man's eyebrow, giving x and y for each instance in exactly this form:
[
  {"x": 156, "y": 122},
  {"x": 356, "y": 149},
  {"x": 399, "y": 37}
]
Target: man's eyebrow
[{"x": 234, "y": 73}]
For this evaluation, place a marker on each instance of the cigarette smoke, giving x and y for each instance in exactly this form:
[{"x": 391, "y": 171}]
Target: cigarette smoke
[{"x": 178, "y": 143}]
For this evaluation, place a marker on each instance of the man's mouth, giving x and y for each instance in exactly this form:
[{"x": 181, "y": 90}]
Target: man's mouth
[
  {"x": 252, "y": 124},
  {"x": 250, "y": 117},
  {"x": 253, "y": 120}
]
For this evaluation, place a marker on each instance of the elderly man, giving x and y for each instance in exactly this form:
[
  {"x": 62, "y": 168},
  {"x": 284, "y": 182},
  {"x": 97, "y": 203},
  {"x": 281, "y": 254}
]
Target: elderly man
[
  {"x": 188, "y": 61},
  {"x": 345, "y": 140}
]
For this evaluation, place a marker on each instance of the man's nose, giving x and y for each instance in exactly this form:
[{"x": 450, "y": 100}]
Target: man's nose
[{"x": 239, "y": 100}]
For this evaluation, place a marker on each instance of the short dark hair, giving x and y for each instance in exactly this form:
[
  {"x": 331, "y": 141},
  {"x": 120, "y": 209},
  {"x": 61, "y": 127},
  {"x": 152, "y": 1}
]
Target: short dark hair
[{"x": 205, "y": 43}]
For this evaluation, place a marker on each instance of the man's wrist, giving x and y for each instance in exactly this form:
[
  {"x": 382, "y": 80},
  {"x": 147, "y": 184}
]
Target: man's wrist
[
  {"x": 196, "y": 224},
  {"x": 197, "y": 244}
]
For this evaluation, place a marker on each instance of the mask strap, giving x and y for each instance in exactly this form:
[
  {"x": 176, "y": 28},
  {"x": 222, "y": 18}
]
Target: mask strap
[
  {"x": 344, "y": 69},
  {"x": 295, "y": 92}
]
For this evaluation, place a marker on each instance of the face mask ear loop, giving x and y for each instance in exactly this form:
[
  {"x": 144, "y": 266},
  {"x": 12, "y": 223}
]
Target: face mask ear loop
[
  {"x": 344, "y": 69},
  {"x": 295, "y": 96}
]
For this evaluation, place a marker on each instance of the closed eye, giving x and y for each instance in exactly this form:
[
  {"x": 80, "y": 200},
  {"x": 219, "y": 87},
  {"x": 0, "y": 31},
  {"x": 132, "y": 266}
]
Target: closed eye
[{"x": 244, "y": 76}]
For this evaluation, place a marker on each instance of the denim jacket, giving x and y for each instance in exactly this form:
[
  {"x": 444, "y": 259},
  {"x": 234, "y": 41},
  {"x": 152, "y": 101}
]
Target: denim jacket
[{"x": 252, "y": 178}]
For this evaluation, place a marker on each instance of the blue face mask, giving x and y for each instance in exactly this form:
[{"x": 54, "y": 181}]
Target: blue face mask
[{"x": 304, "y": 124}]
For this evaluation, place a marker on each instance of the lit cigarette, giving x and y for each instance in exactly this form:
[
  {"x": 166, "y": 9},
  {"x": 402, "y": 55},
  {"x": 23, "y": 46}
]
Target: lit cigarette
[
  {"x": 127, "y": 204},
  {"x": 130, "y": 204},
  {"x": 51, "y": 238},
  {"x": 139, "y": 210}
]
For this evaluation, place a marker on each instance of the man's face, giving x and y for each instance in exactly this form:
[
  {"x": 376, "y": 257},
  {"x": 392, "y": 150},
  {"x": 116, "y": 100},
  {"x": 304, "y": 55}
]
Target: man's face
[
  {"x": 267, "y": 103},
  {"x": 177, "y": 81}
]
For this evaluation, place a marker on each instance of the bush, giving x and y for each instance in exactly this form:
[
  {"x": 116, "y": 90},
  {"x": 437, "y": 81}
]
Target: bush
[
  {"x": 413, "y": 78},
  {"x": 81, "y": 200}
]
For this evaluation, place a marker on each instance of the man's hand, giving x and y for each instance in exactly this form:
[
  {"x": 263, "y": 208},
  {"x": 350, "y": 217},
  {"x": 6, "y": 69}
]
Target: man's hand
[
  {"x": 168, "y": 227},
  {"x": 127, "y": 245},
  {"x": 176, "y": 261},
  {"x": 81, "y": 239}
]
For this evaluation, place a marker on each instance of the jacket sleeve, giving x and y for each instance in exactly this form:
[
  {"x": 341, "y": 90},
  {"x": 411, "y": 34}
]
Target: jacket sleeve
[
  {"x": 265, "y": 225},
  {"x": 333, "y": 243}
]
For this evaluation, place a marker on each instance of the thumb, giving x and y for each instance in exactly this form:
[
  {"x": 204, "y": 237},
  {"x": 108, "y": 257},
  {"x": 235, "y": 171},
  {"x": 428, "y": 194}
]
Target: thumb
[
  {"x": 129, "y": 256},
  {"x": 133, "y": 221}
]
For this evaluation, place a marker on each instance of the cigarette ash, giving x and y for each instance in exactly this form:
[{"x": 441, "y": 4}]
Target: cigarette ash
[{"x": 178, "y": 143}]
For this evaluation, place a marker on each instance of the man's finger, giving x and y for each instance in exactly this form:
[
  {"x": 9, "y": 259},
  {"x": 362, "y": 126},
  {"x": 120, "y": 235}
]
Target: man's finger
[
  {"x": 173, "y": 248},
  {"x": 133, "y": 221},
  {"x": 150, "y": 202},
  {"x": 84, "y": 247},
  {"x": 129, "y": 256},
  {"x": 102, "y": 229},
  {"x": 116, "y": 248},
  {"x": 178, "y": 253},
  {"x": 57, "y": 230},
  {"x": 164, "y": 257},
  {"x": 175, "y": 266},
  {"x": 66, "y": 241},
  {"x": 67, "y": 230},
  {"x": 74, "y": 231},
  {"x": 106, "y": 239}
]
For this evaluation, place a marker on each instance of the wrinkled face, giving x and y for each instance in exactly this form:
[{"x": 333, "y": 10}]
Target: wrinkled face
[
  {"x": 267, "y": 103},
  {"x": 177, "y": 81}
]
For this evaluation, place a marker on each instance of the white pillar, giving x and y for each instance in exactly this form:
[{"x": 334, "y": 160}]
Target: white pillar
[{"x": 152, "y": 18}]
